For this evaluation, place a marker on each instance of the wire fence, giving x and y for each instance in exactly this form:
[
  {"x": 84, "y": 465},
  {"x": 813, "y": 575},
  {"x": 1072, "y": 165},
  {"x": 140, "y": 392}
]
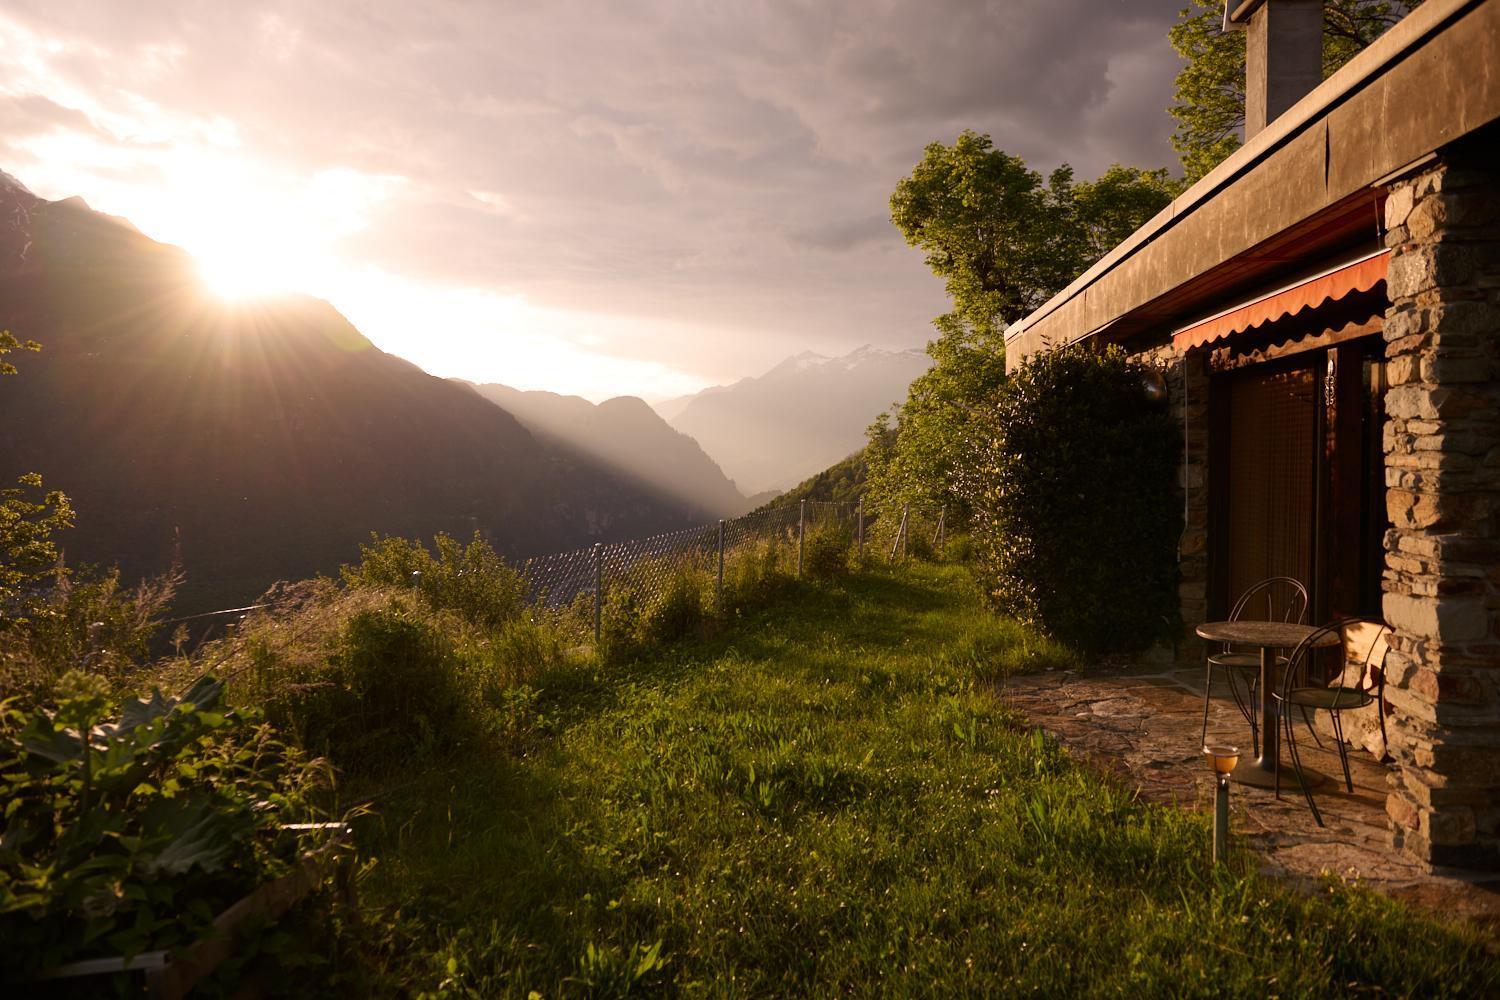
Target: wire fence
[
  {"x": 575, "y": 584},
  {"x": 647, "y": 568}
]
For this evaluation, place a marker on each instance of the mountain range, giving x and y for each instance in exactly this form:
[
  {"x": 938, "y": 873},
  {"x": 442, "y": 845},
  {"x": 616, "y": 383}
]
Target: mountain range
[
  {"x": 627, "y": 436},
  {"x": 262, "y": 440},
  {"x": 804, "y": 415}
]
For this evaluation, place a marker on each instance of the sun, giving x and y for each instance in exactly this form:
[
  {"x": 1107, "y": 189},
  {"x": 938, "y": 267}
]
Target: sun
[{"x": 242, "y": 270}]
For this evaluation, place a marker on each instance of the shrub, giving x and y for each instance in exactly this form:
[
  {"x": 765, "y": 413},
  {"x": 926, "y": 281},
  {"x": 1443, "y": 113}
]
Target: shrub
[
  {"x": 958, "y": 547},
  {"x": 677, "y": 610},
  {"x": 29, "y": 556},
  {"x": 661, "y": 602},
  {"x": 364, "y": 677},
  {"x": 469, "y": 580},
  {"x": 1076, "y": 517},
  {"x": 135, "y": 838},
  {"x": 619, "y": 626},
  {"x": 519, "y": 652},
  {"x": 826, "y": 550},
  {"x": 756, "y": 574}
]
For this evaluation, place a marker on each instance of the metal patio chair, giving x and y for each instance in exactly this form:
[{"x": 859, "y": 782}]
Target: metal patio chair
[
  {"x": 1333, "y": 695},
  {"x": 1278, "y": 598}
]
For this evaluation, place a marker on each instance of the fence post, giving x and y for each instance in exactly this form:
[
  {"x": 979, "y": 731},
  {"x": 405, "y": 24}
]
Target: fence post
[
  {"x": 938, "y": 536},
  {"x": 719, "y": 589},
  {"x": 861, "y": 530},
  {"x": 900, "y": 534},
  {"x": 598, "y": 590},
  {"x": 905, "y": 528},
  {"x": 801, "y": 533}
]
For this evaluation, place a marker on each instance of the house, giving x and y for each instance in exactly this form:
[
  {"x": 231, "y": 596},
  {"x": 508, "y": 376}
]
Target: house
[{"x": 1327, "y": 305}]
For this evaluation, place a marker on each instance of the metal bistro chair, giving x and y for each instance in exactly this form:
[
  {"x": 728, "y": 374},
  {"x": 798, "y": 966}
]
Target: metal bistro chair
[
  {"x": 1333, "y": 695},
  {"x": 1278, "y": 598}
]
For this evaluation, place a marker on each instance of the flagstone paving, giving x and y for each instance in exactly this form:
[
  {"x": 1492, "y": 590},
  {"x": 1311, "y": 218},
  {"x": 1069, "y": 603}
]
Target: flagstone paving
[{"x": 1144, "y": 724}]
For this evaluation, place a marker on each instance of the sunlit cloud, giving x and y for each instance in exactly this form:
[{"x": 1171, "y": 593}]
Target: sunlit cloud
[
  {"x": 485, "y": 336},
  {"x": 642, "y": 200}
]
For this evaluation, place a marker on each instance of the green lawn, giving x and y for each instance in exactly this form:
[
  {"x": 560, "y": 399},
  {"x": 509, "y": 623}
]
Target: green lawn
[{"x": 830, "y": 798}]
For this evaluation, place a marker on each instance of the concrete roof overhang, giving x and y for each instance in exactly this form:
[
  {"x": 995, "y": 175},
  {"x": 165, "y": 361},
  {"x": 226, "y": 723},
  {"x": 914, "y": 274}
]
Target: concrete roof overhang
[{"x": 1305, "y": 187}]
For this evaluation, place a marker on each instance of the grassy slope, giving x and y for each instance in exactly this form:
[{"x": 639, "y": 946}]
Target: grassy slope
[{"x": 833, "y": 799}]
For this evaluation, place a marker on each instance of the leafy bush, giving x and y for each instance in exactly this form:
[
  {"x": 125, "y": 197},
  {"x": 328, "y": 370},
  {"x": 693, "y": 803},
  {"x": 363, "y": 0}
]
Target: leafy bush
[
  {"x": 826, "y": 550},
  {"x": 958, "y": 547},
  {"x": 677, "y": 610},
  {"x": 619, "y": 626},
  {"x": 29, "y": 556},
  {"x": 1076, "y": 517},
  {"x": 380, "y": 683},
  {"x": 756, "y": 575},
  {"x": 136, "y": 836},
  {"x": 634, "y": 619},
  {"x": 469, "y": 580}
]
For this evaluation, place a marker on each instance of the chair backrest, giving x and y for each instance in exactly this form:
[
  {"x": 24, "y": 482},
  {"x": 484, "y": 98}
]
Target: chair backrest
[
  {"x": 1277, "y": 599},
  {"x": 1363, "y": 644}
]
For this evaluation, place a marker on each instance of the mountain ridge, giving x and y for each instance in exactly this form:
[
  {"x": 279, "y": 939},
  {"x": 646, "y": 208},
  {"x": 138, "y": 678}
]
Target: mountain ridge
[
  {"x": 260, "y": 440},
  {"x": 803, "y": 415},
  {"x": 627, "y": 435}
]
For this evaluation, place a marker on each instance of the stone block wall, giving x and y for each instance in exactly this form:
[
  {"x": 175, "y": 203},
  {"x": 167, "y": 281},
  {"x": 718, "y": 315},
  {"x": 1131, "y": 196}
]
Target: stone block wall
[
  {"x": 1187, "y": 389},
  {"x": 1442, "y": 446}
]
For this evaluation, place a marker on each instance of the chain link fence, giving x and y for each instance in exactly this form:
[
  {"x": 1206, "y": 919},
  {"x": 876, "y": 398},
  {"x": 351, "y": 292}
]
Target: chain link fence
[{"x": 576, "y": 584}]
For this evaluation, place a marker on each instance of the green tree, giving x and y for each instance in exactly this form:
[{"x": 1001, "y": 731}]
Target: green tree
[
  {"x": 9, "y": 343},
  {"x": 916, "y": 453},
  {"x": 28, "y": 555},
  {"x": 1106, "y": 211},
  {"x": 989, "y": 227},
  {"x": 1004, "y": 239},
  {"x": 1210, "y": 89}
]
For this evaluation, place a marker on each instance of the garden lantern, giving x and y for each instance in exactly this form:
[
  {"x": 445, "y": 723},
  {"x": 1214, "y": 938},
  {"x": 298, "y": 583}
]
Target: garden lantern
[{"x": 1223, "y": 760}]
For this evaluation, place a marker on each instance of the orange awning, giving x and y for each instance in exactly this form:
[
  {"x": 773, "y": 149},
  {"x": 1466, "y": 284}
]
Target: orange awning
[{"x": 1360, "y": 276}]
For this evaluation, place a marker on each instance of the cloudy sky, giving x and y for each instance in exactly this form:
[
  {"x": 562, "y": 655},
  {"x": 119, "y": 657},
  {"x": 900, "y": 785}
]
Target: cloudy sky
[{"x": 618, "y": 196}]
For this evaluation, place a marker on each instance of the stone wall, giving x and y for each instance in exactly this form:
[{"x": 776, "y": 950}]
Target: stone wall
[
  {"x": 1187, "y": 387},
  {"x": 1442, "y": 444}
]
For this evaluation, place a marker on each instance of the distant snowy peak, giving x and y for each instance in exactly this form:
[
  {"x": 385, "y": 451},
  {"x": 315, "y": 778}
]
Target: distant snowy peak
[{"x": 810, "y": 361}]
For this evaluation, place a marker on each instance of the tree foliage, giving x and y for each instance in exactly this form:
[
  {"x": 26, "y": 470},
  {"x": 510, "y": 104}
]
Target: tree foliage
[
  {"x": 987, "y": 224},
  {"x": 1004, "y": 239},
  {"x": 1075, "y": 520},
  {"x": 28, "y": 520},
  {"x": 8, "y": 344},
  {"x": 1210, "y": 89},
  {"x": 916, "y": 452}
]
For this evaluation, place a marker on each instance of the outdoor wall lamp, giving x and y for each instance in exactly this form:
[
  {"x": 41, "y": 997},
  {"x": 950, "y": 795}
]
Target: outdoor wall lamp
[
  {"x": 1223, "y": 760},
  {"x": 1154, "y": 385}
]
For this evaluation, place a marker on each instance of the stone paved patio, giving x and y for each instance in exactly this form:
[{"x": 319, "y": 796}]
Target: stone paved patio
[{"x": 1144, "y": 724}]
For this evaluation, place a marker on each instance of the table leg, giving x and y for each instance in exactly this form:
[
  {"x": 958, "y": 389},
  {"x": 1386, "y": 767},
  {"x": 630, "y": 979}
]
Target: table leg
[{"x": 1262, "y": 772}]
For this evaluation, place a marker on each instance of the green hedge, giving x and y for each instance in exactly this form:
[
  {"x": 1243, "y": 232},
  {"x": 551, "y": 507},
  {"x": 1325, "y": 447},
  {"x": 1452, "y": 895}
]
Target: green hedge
[{"x": 1076, "y": 512}]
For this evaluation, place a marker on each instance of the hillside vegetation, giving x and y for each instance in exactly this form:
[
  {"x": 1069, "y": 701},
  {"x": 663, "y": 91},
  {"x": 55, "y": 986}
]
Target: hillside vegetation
[{"x": 843, "y": 482}]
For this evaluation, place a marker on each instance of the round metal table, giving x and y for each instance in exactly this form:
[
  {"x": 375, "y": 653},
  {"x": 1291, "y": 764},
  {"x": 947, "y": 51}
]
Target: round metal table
[{"x": 1268, "y": 637}]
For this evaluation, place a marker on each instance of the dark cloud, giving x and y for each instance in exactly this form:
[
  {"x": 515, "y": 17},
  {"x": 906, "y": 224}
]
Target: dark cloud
[{"x": 719, "y": 163}]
